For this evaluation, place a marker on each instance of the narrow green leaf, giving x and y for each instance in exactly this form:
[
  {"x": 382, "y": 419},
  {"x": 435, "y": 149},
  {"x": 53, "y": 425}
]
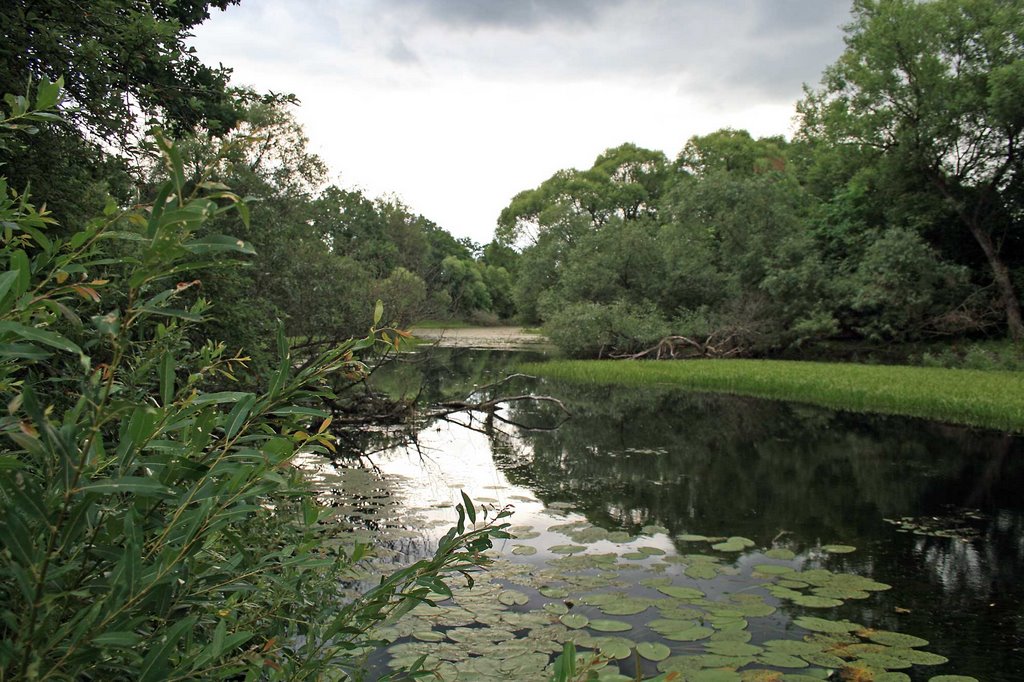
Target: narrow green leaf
[
  {"x": 238, "y": 415},
  {"x": 470, "y": 509},
  {"x": 42, "y": 336},
  {"x": 137, "y": 485}
]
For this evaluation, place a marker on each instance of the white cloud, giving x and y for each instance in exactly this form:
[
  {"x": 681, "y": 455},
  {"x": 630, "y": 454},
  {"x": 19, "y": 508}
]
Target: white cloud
[{"x": 456, "y": 111}]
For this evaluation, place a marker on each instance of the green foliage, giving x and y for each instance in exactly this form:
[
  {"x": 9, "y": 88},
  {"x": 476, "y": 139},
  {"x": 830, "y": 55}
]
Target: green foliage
[
  {"x": 901, "y": 287},
  {"x": 129, "y": 59},
  {"x": 595, "y": 330},
  {"x": 927, "y": 91},
  {"x": 149, "y": 528}
]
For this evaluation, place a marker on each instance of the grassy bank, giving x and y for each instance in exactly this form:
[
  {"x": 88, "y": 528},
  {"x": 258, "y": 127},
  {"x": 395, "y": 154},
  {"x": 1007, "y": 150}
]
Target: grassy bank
[{"x": 979, "y": 398}]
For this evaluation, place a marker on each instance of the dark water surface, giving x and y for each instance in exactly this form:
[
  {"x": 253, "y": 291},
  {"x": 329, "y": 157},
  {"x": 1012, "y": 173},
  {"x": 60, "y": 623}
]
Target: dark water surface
[{"x": 935, "y": 511}]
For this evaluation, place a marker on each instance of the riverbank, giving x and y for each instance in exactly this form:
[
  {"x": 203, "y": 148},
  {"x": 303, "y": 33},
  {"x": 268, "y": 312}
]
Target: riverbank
[
  {"x": 990, "y": 399},
  {"x": 498, "y": 338}
]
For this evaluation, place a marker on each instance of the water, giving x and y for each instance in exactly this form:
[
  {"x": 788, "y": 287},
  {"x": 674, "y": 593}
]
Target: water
[{"x": 934, "y": 511}]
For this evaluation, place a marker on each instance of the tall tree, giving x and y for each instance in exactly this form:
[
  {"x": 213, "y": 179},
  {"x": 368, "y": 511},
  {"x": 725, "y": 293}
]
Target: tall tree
[{"x": 936, "y": 89}]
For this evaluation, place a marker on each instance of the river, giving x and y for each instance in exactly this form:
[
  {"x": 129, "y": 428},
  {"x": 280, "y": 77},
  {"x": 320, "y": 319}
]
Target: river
[{"x": 710, "y": 535}]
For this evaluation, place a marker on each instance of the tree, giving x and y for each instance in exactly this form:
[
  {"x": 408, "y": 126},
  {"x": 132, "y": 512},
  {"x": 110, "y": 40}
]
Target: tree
[
  {"x": 936, "y": 89},
  {"x": 120, "y": 59},
  {"x": 625, "y": 182}
]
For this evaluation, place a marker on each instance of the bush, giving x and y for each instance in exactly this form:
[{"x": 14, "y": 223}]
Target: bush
[
  {"x": 596, "y": 330},
  {"x": 150, "y": 529}
]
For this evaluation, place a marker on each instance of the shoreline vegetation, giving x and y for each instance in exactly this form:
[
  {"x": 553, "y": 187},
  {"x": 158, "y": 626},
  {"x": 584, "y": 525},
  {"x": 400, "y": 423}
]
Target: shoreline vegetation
[{"x": 990, "y": 399}]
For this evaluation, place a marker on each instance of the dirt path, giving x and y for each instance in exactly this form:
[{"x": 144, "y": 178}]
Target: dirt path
[{"x": 482, "y": 337}]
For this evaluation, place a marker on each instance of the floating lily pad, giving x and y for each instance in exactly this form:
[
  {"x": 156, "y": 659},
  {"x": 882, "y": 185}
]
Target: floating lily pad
[
  {"x": 733, "y": 649},
  {"x": 651, "y": 551},
  {"x": 780, "y": 660},
  {"x": 653, "y": 651},
  {"x": 701, "y": 571},
  {"x": 823, "y": 625},
  {"x": 839, "y": 549},
  {"x": 512, "y": 598},
  {"x": 815, "y": 602},
  {"x": 556, "y": 608},
  {"x": 681, "y": 592},
  {"x": 574, "y": 620},
  {"x": 692, "y": 538},
  {"x": 620, "y": 536},
  {"x": 625, "y": 607},
  {"x": 824, "y": 660},
  {"x": 654, "y": 529},
  {"x": 634, "y": 556},
  {"x": 429, "y": 636},
  {"x": 731, "y": 636},
  {"x": 524, "y": 550},
  {"x": 918, "y": 657},
  {"x": 606, "y": 625},
  {"x": 733, "y": 544},
  {"x": 691, "y": 634},
  {"x": 656, "y": 582},
  {"x": 896, "y": 639},
  {"x": 567, "y": 549},
  {"x": 554, "y": 592},
  {"x": 618, "y": 648},
  {"x": 773, "y": 569}
]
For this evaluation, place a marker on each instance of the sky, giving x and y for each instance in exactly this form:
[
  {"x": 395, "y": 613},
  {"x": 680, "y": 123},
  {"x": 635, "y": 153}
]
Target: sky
[{"x": 455, "y": 106}]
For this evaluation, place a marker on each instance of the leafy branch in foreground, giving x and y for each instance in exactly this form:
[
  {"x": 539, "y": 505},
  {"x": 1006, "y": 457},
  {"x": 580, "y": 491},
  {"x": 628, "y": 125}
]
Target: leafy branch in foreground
[{"x": 151, "y": 529}]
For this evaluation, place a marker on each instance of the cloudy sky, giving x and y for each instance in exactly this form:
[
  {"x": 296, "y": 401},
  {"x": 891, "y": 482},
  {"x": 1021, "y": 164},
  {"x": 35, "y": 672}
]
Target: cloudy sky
[{"x": 456, "y": 105}]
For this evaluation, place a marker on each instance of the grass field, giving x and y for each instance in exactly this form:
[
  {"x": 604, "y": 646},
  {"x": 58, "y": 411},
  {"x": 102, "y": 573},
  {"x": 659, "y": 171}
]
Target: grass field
[{"x": 993, "y": 399}]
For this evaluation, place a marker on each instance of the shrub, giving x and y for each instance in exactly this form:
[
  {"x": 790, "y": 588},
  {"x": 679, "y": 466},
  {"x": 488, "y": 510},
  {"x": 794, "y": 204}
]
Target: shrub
[{"x": 151, "y": 529}]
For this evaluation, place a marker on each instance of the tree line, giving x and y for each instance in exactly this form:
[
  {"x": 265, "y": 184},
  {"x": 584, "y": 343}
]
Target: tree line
[{"x": 893, "y": 215}]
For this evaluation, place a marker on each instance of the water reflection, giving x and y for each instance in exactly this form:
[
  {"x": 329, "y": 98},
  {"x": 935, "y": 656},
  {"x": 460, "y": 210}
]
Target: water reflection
[{"x": 781, "y": 474}]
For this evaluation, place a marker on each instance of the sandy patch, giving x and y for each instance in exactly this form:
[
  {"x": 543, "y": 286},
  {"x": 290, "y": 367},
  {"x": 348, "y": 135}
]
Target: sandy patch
[{"x": 481, "y": 337}]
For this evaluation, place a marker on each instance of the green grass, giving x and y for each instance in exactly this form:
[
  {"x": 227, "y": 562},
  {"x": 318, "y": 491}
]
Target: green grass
[{"x": 993, "y": 399}]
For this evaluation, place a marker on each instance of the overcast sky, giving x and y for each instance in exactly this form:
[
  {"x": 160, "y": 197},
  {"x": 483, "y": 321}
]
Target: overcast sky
[{"x": 456, "y": 105}]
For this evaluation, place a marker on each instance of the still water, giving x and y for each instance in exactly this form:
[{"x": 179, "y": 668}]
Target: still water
[{"x": 725, "y": 529}]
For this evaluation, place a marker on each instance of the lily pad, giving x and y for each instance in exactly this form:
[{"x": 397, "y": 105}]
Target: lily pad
[
  {"x": 554, "y": 592},
  {"x": 733, "y": 649},
  {"x": 839, "y": 549},
  {"x": 512, "y": 598},
  {"x": 567, "y": 549},
  {"x": 823, "y": 625},
  {"x": 618, "y": 648},
  {"x": 574, "y": 620},
  {"x": 780, "y": 660},
  {"x": 556, "y": 608},
  {"x": 734, "y": 544},
  {"x": 815, "y": 602},
  {"x": 607, "y": 625},
  {"x": 524, "y": 550},
  {"x": 896, "y": 639},
  {"x": 692, "y": 538},
  {"x": 653, "y": 651},
  {"x": 681, "y": 592},
  {"x": 701, "y": 571}
]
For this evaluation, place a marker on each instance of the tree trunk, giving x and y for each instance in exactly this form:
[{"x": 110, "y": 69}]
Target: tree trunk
[{"x": 1001, "y": 275}]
